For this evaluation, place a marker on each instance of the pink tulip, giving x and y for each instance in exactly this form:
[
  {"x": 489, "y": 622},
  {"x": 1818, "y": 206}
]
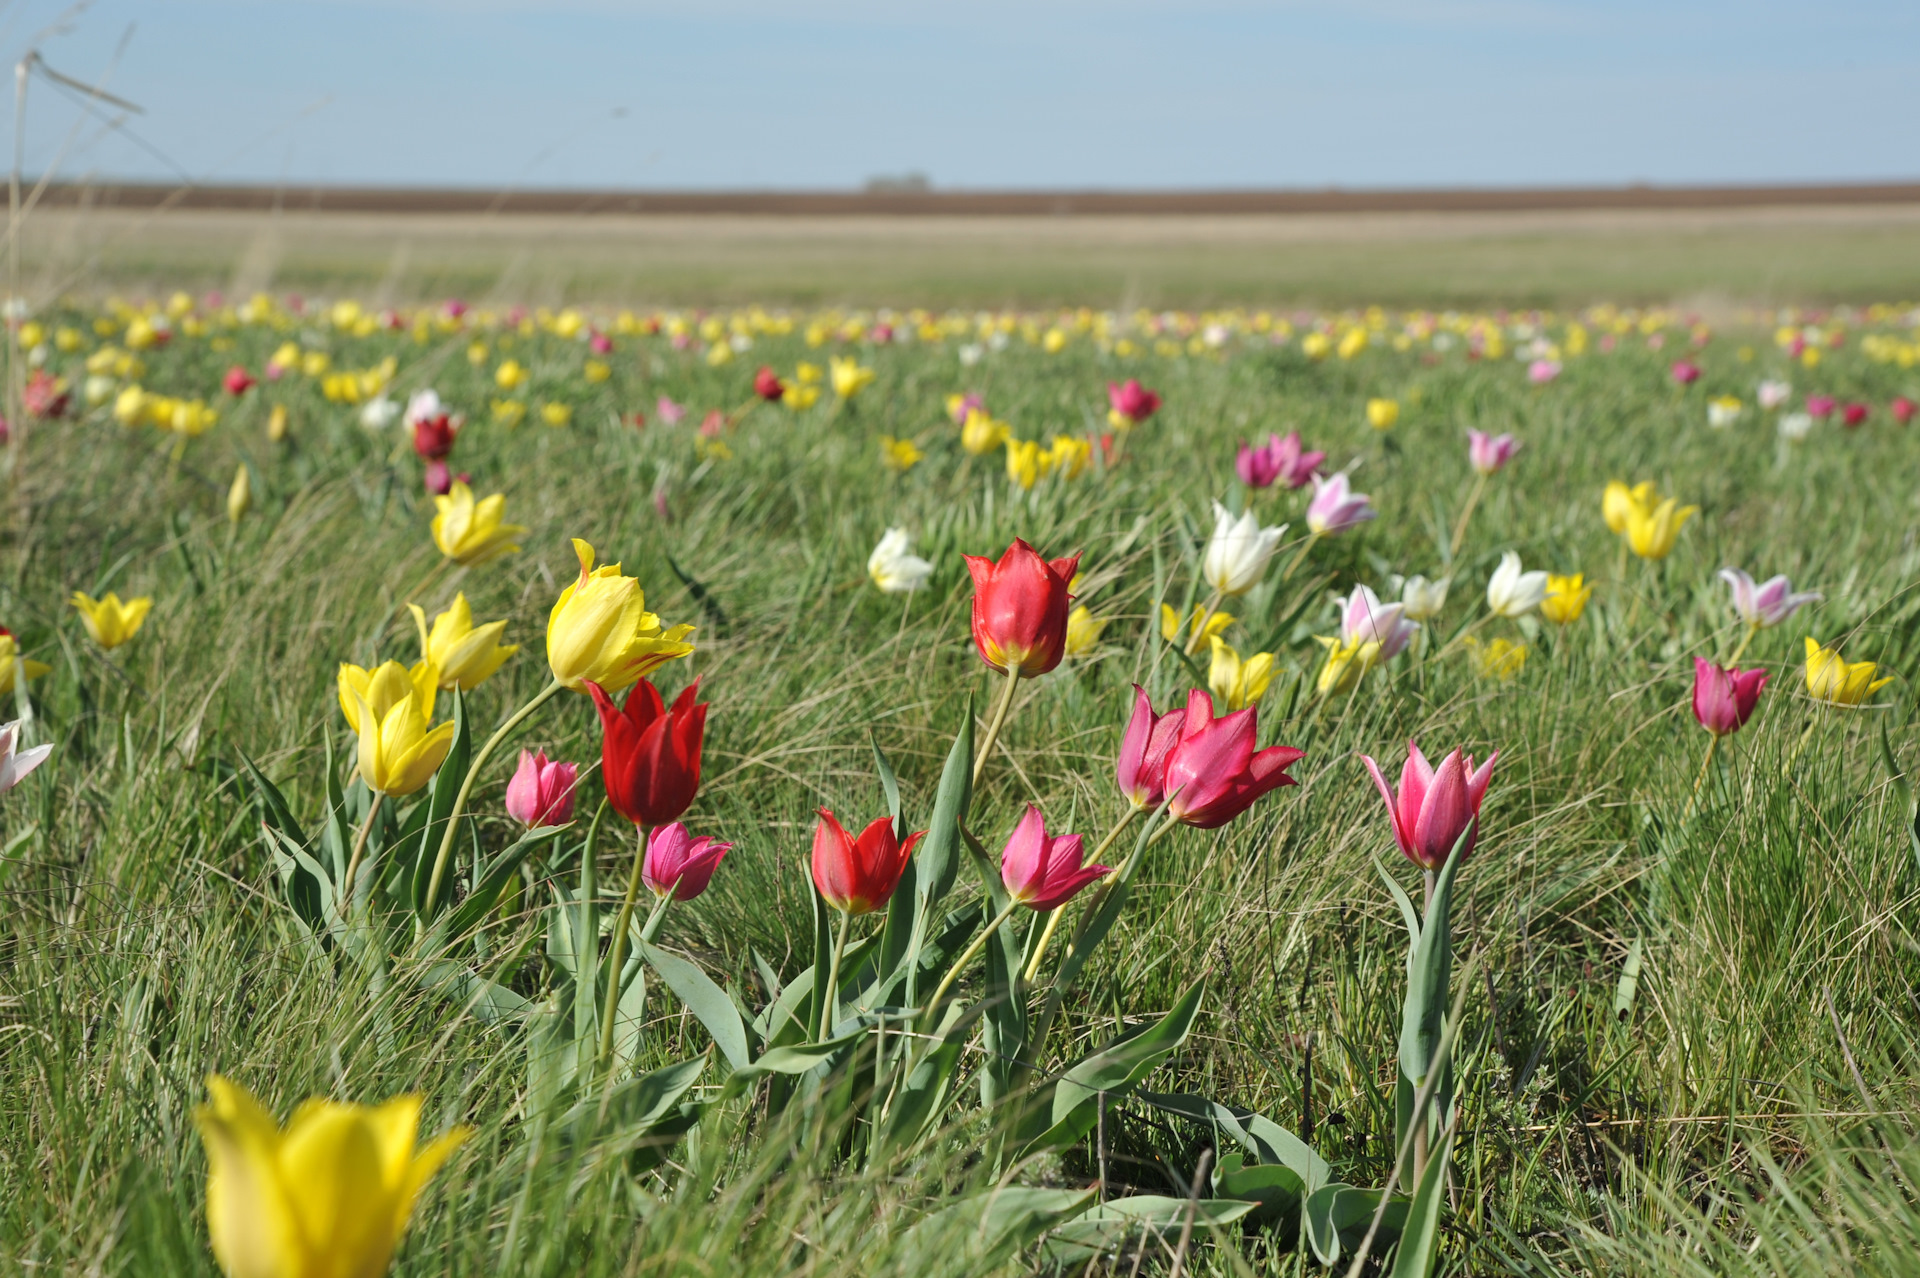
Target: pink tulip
[
  {"x": 1132, "y": 401},
  {"x": 1364, "y": 619},
  {"x": 1255, "y": 466},
  {"x": 1542, "y": 371},
  {"x": 680, "y": 865},
  {"x": 1214, "y": 773},
  {"x": 439, "y": 478},
  {"x": 1686, "y": 372},
  {"x": 1490, "y": 453},
  {"x": 1853, "y": 414},
  {"x": 669, "y": 412},
  {"x": 237, "y": 381},
  {"x": 1141, "y": 768},
  {"x": 541, "y": 792},
  {"x": 1280, "y": 458},
  {"x": 454, "y": 308},
  {"x": 1336, "y": 507},
  {"x": 1768, "y": 604},
  {"x": 1723, "y": 699},
  {"x": 1435, "y": 807},
  {"x": 1902, "y": 410},
  {"x": 967, "y": 403},
  {"x": 600, "y": 344},
  {"x": 1040, "y": 872},
  {"x": 1821, "y": 406}
]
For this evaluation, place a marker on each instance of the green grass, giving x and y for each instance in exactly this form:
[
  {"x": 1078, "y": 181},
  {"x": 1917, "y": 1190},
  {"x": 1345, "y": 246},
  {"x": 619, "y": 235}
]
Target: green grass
[{"x": 1717, "y": 1127}]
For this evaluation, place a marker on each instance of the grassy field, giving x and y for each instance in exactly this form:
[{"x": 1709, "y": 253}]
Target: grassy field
[{"x": 1745, "y": 1106}]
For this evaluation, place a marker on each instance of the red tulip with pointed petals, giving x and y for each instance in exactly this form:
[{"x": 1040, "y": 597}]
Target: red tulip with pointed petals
[
  {"x": 650, "y": 754},
  {"x": 1214, "y": 773},
  {"x": 1020, "y": 608},
  {"x": 857, "y": 876},
  {"x": 1141, "y": 768}
]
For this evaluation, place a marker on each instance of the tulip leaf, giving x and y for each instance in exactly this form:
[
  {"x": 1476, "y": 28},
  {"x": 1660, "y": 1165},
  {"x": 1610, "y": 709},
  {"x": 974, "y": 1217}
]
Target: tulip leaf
[
  {"x": 486, "y": 1001},
  {"x": 1430, "y": 974},
  {"x": 1338, "y": 1215},
  {"x": 440, "y": 795},
  {"x": 920, "y": 1096},
  {"x": 797, "y": 1058},
  {"x": 896, "y": 932},
  {"x": 1003, "y": 1027},
  {"x": 486, "y": 890},
  {"x": 1420, "y": 1232},
  {"x": 1115, "y": 1070},
  {"x": 1104, "y": 913},
  {"x": 1407, "y": 912},
  {"x": 1629, "y": 984},
  {"x": 981, "y": 1233},
  {"x": 1259, "y": 1135},
  {"x": 1123, "y": 1222},
  {"x": 706, "y": 1000},
  {"x": 936, "y": 863},
  {"x": 1276, "y": 1192},
  {"x": 822, "y": 962}
]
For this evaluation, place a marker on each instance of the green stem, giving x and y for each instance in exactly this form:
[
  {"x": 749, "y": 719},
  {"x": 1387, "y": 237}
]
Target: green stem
[
  {"x": 359, "y": 847},
  {"x": 1713, "y": 743},
  {"x": 830, "y": 1009},
  {"x": 466, "y": 788},
  {"x": 966, "y": 956},
  {"x": 1054, "y": 915},
  {"x": 1466, "y": 513},
  {"x": 616, "y": 953},
  {"x": 1301, "y": 557},
  {"x": 994, "y": 724},
  {"x": 1753, "y": 628}
]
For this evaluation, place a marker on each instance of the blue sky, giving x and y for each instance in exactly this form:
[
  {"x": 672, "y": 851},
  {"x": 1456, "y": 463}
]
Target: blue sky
[{"x": 983, "y": 94}]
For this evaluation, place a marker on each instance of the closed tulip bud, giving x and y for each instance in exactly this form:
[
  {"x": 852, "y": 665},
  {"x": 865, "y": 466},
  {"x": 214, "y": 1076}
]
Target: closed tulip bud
[
  {"x": 1436, "y": 807},
  {"x": 110, "y": 622},
  {"x": 980, "y": 434},
  {"x": 329, "y": 1194},
  {"x": 1422, "y": 600},
  {"x": 1383, "y": 413},
  {"x": 1129, "y": 403},
  {"x": 433, "y": 436},
  {"x": 1141, "y": 767},
  {"x": 1832, "y": 679},
  {"x": 277, "y": 423},
  {"x": 472, "y": 532},
  {"x": 16, "y": 764},
  {"x": 1489, "y": 454},
  {"x": 767, "y": 385},
  {"x": 239, "y": 495},
  {"x": 1042, "y": 871},
  {"x": 1513, "y": 593},
  {"x": 237, "y": 381},
  {"x": 1566, "y": 598},
  {"x": 464, "y": 654},
  {"x": 1686, "y": 372},
  {"x": 679, "y": 865},
  {"x": 600, "y": 631},
  {"x": 650, "y": 753},
  {"x": 1723, "y": 698},
  {"x": 541, "y": 791},
  {"x": 1020, "y": 609},
  {"x": 1902, "y": 409},
  {"x": 1214, "y": 773},
  {"x": 1238, "y": 552},
  {"x": 848, "y": 377},
  {"x": 858, "y": 876}
]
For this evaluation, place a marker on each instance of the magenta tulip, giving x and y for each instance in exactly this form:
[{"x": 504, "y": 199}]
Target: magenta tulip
[
  {"x": 1490, "y": 453},
  {"x": 1280, "y": 459},
  {"x": 1141, "y": 768},
  {"x": 1214, "y": 773},
  {"x": 1723, "y": 699},
  {"x": 541, "y": 791},
  {"x": 680, "y": 865},
  {"x": 1435, "y": 807},
  {"x": 1686, "y": 372},
  {"x": 1043, "y": 872},
  {"x": 1821, "y": 406}
]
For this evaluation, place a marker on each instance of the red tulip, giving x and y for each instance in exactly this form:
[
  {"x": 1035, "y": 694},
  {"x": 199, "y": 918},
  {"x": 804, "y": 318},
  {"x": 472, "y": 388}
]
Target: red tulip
[
  {"x": 237, "y": 381},
  {"x": 1040, "y": 872},
  {"x": 858, "y": 875},
  {"x": 1132, "y": 401},
  {"x": 1723, "y": 698},
  {"x": 680, "y": 865},
  {"x": 1214, "y": 773},
  {"x": 1686, "y": 373},
  {"x": 1435, "y": 806},
  {"x": 767, "y": 385},
  {"x": 1141, "y": 768},
  {"x": 1020, "y": 608},
  {"x": 433, "y": 436},
  {"x": 650, "y": 755},
  {"x": 1852, "y": 415},
  {"x": 44, "y": 396},
  {"x": 1902, "y": 410}
]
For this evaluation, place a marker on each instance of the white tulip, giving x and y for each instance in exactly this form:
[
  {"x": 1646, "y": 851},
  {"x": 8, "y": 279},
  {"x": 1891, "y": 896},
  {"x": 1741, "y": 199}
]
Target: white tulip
[
  {"x": 1239, "y": 551},
  {"x": 1422, "y": 600},
  {"x": 894, "y": 567},
  {"x": 14, "y": 767},
  {"x": 1512, "y": 593},
  {"x": 378, "y": 413},
  {"x": 1795, "y": 425}
]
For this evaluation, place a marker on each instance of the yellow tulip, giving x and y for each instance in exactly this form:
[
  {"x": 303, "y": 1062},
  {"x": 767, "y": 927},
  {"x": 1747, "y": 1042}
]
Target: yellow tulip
[
  {"x": 800, "y": 396},
  {"x": 981, "y": 434},
  {"x": 596, "y": 370},
  {"x": 327, "y": 1197},
  {"x": 130, "y": 406},
  {"x": 600, "y": 630},
  {"x": 109, "y": 621},
  {"x": 465, "y": 654},
  {"x": 509, "y": 412},
  {"x": 1346, "y": 664},
  {"x": 1382, "y": 413},
  {"x": 1353, "y": 343},
  {"x": 13, "y": 666},
  {"x": 849, "y": 378},
  {"x": 806, "y": 374},
  {"x": 1619, "y": 502},
  {"x": 510, "y": 374},
  {"x": 1652, "y": 532},
  {"x": 400, "y": 750},
  {"x": 1239, "y": 683},
  {"x": 898, "y": 454},
  {"x": 471, "y": 533},
  {"x": 384, "y": 686},
  {"x": 277, "y": 423},
  {"x": 1068, "y": 457},
  {"x": 555, "y": 414},
  {"x": 1833, "y": 679},
  {"x": 1566, "y": 598},
  {"x": 1083, "y": 631},
  {"x": 239, "y": 495},
  {"x": 1170, "y": 623},
  {"x": 1500, "y": 659},
  {"x": 1024, "y": 463},
  {"x": 1316, "y": 345}
]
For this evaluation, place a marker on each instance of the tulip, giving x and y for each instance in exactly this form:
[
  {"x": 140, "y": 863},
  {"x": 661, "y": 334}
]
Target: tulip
[
  {"x": 857, "y": 876},
  {"x": 1821, "y": 406},
  {"x": 848, "y": 377},
  {"x": 1130, "y": 403},
  {"x": 601, "y": 632},
  {"x": 1652, "y": 533},
  {"x": 13, "y": 666},
  {"x": 45, "y": 397},
  {"x": 433, "y": 437},
  {"x": 1772, "y": 394},
  {"x": 767, "y": 385},
  {"x": 960, "y": 407},
  {"x": 237, "y": 381},
  {"x": 650, "y": 754},
  {"x": 1500, "y": 659},
  {"x": 1025, "y": 465},
  {"x": 1488, "y": 454},
  {"x": 1383, "y": 413},
  {"x": 1205, "y": 625},
  {"x": 1832, "y": 679},
  {"x": 1436, "y": 808},
  {"x": 239, "y": 495},
  {"x": 899, "y": 455},
  {"x": 1619, "y": 502},
  {"x": 1043, "y": 872},
  {"x": 1083, "y": 631},
  {"x": 981, "y": 434},
  {"x": 1853, "y": 414},
  {"x": 328, "y": 1195},
  {"x": 109, "y": 622},
  {"x": 893, "y": 566},
  {"x": 399, "y": 749},
  {"x": 1280, "y": 458},
  {"x": 1542, "y": 371},
  {"x": 1422, "y": 600},
  {"x": 378, "y": 413},
  {"x": 1141, "y": 767},
  {"x": 1513, "y": 593},
  {"x": 679, "y": 865},
  {"x": 16, "y": 764},
  {"x": 1686, "y": 372},
  {"x": 383, "y": 687},
  {"x": 422, "y": 405},
  {"x": 509, "y": 375},
  {"x": 1348, "y": 661},
  {"x": 1724, "y": 698},
  {"x": 1214, "y": 773},
  {"x": 1903, "y": 410},
  {"x": 437, "y": 478},
  {"x": 1766, "y": 605},
  {"x": 1238, "y": 553},
  {"x": 1723, "y": 412},
  {"x": 556, "y": 414},
  {"x": 473, "y": 533},
  {"x": 1566, "y": 598},
  {"x": 1336, "y": 508},
  {"x": 541, "y": 791},
  {"x": 464, "y": 654},
  {"x": 1068, "y": 457},
  {"x": 1238, "y": 683},
  {"x": 1020, "y": 609},
  {"x": 669, "y": 412},
  {"x": 1795, "y": 425},
  {"x": 1364, "y": 619}
]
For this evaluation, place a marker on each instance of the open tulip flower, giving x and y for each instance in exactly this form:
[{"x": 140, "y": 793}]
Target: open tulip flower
[
  {"x": 328, "y": 1196},
  {"x": 110, "y": 622},
  {"x": 1768, "y": 604},
  {"x": 464, "y": 654},
  {"x": 893, "y": 566},
  {"x": 601, "y": 632},
  {"x": 1652, "y": 532},
  {"x": 1205, "y": 624},
  {"x": 1513, "y": 593},
  {"x": 1214, "y": 773},
  {"x": 1422, "y": 600},
  {"x": 15, "y": 764},
  {"x": 857, "y": 876},
  {"x": 1489, "y": 454},
  {"x": 848, "y": 376},
  {"x": 1724, "y": 698},
  {"x": 1141, "y": 767},
  {"x": 1836, "y": 681},
  {"x": 1279, "y": 459},
  {"x": 400, "y": 750},
  {"x": 472, "y": 532},
  {"x": 1435, "y": 807},
  {"x": 1364, "y": 619},
  {"x": 650, "y": 754},
  {"x": 1238, "y": 552},
  {"x": 1020, "y": 609},
  {"x": 383, "y": 687},
  {"x": 1619, "y": 502},
  {"x": 541, "y": 791},
  {"x": 1236, "y": 682},
  {"x": 679, "y": 865},
  {"x": 1129, "y": 403},
  {"x": 1566, "y": 598},
  {"x": 1042, "y": 871},
  {"x": 1336, "y": 507}
]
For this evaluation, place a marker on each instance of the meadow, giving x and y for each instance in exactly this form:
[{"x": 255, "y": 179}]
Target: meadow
[{"x": 1679, "y": 1030}]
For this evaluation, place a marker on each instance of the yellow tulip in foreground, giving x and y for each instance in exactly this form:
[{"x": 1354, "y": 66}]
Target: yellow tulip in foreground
[
  {"x": 383, "y": 687},
  {"x": 14, "y": 667},
  {"x": 1619, "y": 502},
  {"x": 600, "y": 630},
  {"x": 1566, "y": 598},
  {"x": 464, "y": 654},
  {"x": 109, "y": 621},
  {"x": 327, "y": 1197},
  {"x": 472, "y": 532},
  {"x": 1831, "y": 678},
  {"x": 1652, "y": 532},
  {"x": 1239, "y": 683},
  {"x": 400, "y": 750}
]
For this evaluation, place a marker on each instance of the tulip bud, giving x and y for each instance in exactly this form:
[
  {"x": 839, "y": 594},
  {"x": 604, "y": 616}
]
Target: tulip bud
[
  {"x": 1724, "y": 698},
  {"x": 239, "y": 495},
  {"x": 1435, "y": 807},
  {"x": 1020, "y": 608},
  {"x": 650, "y": 754},
  {"x": 237, "y": 381},
  {"x": 541, "y": 791},
  {"x": 679, "y": 865},
  {"x": 1044, "y": 872},
  {"x": 277, "y": 423}
]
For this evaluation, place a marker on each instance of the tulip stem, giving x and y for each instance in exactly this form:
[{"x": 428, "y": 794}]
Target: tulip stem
[
  {"x": 1753, "y": 628},
  {"x": 966, "y": 956},
  {"x": 830, "y": 1011},
  {"x": 466, "y": 788},
  {"x": 1713, "y": 743},
  {"x": 1301, "y": 557},
  {"x": 1200, "y": 622},
  {"x": 1466, "y": 513},
  {"x": 994, "y": 724},
  {"x": 1053, "y": 916},
  {"x": 616, "y": 952},
  {"x": 359, "y": 849}
]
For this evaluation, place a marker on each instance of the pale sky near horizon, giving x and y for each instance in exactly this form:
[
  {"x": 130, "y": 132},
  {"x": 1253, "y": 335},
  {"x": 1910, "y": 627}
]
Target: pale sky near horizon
[{"x": 990, "y": 94}]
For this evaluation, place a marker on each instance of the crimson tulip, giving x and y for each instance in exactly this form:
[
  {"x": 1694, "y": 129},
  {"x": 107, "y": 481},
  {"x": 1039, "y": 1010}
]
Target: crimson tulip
[
  {"x": 1723, "y": 697},
  {"x": 1853, "y": 414},
  {"x": 857, "y": 876},
  {"x": 650, "y": 754},
  {"x": 1020, "y": 608},
  {"x": 1214, "y": 773},
  {"x": 1435, "y": 807},
  {"x": 237, "y": 381},
  {"x": 433, "y": 436},
  {"x": 1130, "y": 402},
  {"x": 1141, "y": 768},
  {"x": 767, "y": 385}
]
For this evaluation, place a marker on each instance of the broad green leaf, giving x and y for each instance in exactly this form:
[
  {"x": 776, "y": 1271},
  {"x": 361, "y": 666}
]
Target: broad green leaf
[
  {"x": 936, "y": 862},
  {"x": 1337, "y": 1216},
  {"x": 469, "y": 913},
  {"x": 1121, "y": 1222},
  {"x": 1420, "y": 1232},
  {"x": 480, "y": 998},
  {"x": 1115, "y": 1069},
  {"x": 919, "y": 1098},
  {"x": 980, "y": 1233},
  {"x": 706, "y": 1000},
  {"x": 1629, "y": 983},
  {"x": 799, "y": 1058},
  {"x": 1276, "y": 1191},
  {"x": 1259, "y": 1135},
  {"x": 1429, "y": 975},
  {"x": 1407, "y": 912}
]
